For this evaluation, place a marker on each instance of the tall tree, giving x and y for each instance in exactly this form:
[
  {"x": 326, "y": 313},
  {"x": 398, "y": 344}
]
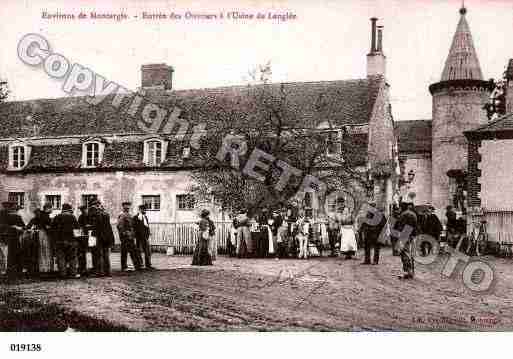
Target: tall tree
[{"x": 266, "y": 120}]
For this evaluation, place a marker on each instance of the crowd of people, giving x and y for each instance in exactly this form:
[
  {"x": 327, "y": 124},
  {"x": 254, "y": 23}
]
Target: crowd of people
[
  {"x": 285, "y": 232},
  {"x": 292, "y": 232},
  {"x": 64, "y": 241}
]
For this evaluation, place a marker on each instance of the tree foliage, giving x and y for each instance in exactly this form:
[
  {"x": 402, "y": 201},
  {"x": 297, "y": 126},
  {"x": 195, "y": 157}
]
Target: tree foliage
[
  {"x": 4, "y": 90},
  {"x": 270, "y": 123}
]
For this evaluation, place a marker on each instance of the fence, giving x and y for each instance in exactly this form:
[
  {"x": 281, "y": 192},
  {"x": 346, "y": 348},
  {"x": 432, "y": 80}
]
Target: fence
[
  {"x": 499, "y": 224},
  {"x": 183, "y": 236}
]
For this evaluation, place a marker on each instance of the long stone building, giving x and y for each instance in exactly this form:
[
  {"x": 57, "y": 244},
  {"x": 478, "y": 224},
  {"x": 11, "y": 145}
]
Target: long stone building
[{"x": 68, "y": 150}]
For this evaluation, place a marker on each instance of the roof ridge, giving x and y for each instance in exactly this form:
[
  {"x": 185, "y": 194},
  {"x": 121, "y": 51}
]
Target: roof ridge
[{"x": 228, "y": 87}]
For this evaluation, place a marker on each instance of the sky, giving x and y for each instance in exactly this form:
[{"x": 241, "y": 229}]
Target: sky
[{"x": 328, "y": 40}]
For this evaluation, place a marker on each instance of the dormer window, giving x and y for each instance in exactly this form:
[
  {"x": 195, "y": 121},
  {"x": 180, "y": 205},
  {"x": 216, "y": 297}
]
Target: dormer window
[
  {"x": 154, "y": 152},
  {"x": 19, "y": 154},
  {"x": 92, "y": 153}
]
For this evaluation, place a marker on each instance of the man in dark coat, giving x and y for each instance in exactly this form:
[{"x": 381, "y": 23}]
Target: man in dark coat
[
  {"x": 431, "y": 227},
  {"x": 407, "y": 223},
  {"x": 142, "y": 235},
  {"x": 83, "y": 242},
  {"x": 11, "y": 225},
  {"x": 127, "y": 237},
  {"x": 102, "y": 230},
  {"x": 262, "y": 238},
  {"x": 371, "y": 234},
  {"x": 63, "y": 227},
  {"x": 452, "y": 226},
  {"x": 276, "y": 222}
]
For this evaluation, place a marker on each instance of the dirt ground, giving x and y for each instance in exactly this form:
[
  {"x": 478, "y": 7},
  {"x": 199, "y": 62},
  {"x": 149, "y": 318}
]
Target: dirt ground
[{"x": 319, "y": 294}]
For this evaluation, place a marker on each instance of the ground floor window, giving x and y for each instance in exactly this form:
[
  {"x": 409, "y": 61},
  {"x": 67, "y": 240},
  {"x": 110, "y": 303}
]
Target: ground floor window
[
  {"x": 54, "y": 200},
  {"x": 18, "y": 198},
  {"x": 152, "y": 202},
  {"x": 185, "y": 202},
  {"x": 88, "y": 198}
]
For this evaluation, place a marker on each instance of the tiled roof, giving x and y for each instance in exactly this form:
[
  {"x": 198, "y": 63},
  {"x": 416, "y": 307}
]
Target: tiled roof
[
  {"x": 414, "y": 136},
  {"x": 343, "y": 102},
  {"x": 502, "y": 125},
  {"x": 462, "y": 62}
]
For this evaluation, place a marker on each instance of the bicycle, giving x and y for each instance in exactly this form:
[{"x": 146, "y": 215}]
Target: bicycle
[{"x": 477, "y": 243}]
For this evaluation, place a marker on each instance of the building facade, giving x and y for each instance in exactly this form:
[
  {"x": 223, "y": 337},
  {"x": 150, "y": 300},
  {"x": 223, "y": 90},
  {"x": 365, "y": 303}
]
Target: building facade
[
  {"x": 70, "y": 150},
  {"x": 434, "y": 152}
]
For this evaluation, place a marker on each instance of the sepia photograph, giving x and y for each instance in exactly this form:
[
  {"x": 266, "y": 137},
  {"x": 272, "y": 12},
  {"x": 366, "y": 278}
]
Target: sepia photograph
[{"x": 255, "y": 166}]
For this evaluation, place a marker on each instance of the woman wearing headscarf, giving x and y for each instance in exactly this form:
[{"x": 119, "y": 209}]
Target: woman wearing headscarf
[
  {"x": 201, "y": 256},
  {"x": 40, "y": 228}
]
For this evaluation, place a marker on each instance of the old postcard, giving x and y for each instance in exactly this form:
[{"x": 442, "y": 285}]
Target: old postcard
[{"x": 242, "y": 166}]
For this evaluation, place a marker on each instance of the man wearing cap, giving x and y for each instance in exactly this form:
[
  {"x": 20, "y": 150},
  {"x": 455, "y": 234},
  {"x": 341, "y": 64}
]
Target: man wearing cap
[
  {"x": 407, "y": 224},
  {"x": 66, "y": 244},
  {"x": 102, "y": 230},
  {"x": 13, "y": 225},
  {"x": 142, "y": 235},
  {"x": 127, "y": 237}
]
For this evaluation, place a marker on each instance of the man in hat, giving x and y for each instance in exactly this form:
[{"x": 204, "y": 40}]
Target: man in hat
[
  {"x": 407, "y": 225},
  {"x": 127, "y": 237},
  {"x": 12, "y": 226},
  {"x": 371, "y": 233},
  {"x": 102, "y": 230},
  {"x": 66, "y": 244},
  {"x": 432, "y": 227},
  {"x": 142, "y": 235},
  {"x": 262, "y": 236}
]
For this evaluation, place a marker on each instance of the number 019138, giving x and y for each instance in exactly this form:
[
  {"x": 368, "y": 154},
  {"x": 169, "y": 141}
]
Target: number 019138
[{"x": 25, "y": 347}]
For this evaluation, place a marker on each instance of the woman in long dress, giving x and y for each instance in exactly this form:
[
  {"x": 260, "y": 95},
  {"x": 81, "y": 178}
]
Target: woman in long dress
[
  {"x": 243, "y": 234},
  {"x": 348, "y": 245},
  {"x": 201, "y": 256},
  {"x": 40, "y": 226}
]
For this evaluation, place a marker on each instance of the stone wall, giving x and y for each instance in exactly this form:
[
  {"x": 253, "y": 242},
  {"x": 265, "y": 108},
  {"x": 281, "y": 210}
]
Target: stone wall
[
  {"x": 112, "y": 188},
  {"x": 496, "y": 169},
  {"x": 454, "y": 111},
  {"x": 421, "y": 184}
]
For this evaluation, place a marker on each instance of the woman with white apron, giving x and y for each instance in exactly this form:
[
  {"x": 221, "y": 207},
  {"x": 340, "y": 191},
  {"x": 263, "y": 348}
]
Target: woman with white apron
[{"x": 348, "y": 245}]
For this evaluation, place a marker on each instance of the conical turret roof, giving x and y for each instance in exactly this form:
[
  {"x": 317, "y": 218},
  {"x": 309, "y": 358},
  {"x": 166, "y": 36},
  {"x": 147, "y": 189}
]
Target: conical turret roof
[{"x": 462, "y": 62}]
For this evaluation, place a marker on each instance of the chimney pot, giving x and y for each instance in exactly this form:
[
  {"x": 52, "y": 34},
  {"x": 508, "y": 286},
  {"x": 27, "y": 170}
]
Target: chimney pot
[
  {"x": 158, "y": 76},
  {"x": 373, "y": 34},
  {"x": 380, "y": 39}
]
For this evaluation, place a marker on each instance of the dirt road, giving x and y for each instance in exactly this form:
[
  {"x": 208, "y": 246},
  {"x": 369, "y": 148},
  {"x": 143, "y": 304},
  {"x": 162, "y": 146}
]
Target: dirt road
[{"x": 266, "y": 294}]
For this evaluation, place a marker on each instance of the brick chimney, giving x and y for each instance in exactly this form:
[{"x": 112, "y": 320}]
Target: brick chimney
[
  {"x": 157, "y": 76},
  {"x": 376, "y": 60}
]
